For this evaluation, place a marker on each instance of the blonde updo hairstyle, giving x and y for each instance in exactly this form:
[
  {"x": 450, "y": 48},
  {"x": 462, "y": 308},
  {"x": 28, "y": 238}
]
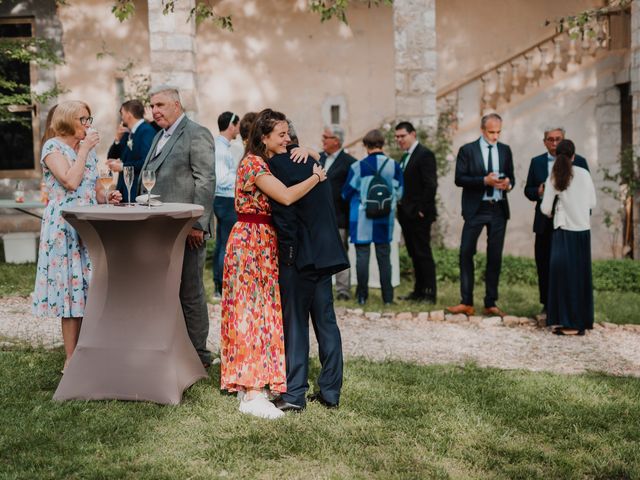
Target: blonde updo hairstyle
[{"x": 63, "y": 122}]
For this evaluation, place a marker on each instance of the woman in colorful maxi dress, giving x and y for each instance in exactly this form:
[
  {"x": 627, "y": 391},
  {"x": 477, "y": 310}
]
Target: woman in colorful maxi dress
[
  {"x": 252, "y": 339},
  {"x": 70, "y": 172}
]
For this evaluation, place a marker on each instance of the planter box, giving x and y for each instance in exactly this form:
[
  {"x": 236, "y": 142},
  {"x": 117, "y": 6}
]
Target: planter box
[{"x": 20, "y": 247}]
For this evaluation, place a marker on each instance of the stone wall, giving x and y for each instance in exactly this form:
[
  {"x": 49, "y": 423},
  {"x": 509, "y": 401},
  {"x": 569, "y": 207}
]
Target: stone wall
[
  {"x": 416, "y": 60},
  {"x": 635, "y": 90}
]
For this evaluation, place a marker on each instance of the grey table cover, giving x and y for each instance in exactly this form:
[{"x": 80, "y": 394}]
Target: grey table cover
[{"x": 133, "y": 343}]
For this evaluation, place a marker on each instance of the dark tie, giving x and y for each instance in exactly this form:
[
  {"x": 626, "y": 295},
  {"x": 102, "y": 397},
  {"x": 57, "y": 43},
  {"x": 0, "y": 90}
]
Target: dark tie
[
  {"x": 403, "y": 160},
  {"x": 323, "y": 159},
  {"x": 489, "y": 190}
]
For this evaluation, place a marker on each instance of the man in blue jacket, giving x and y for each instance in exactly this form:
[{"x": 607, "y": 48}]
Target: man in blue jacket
[
  {"x": 539, "y": 170},
  {"x": 131, "y": 145}
]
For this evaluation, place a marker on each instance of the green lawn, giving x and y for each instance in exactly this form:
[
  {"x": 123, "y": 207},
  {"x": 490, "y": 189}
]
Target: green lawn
[{"x": 396, "y": 420}]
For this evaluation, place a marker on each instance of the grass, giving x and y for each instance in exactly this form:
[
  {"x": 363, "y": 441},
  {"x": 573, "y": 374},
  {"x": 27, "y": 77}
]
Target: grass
[
  {"x": 518, "y": 299},
  {"x": 396, "y": 420}
]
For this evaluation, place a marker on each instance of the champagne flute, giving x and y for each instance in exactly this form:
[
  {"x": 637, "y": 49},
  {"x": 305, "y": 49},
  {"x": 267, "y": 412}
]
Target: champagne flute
[
  {"x": 148, "y": 180},
  {"x": 106, "y": 180},
  {"x": 128, "y": 181}
]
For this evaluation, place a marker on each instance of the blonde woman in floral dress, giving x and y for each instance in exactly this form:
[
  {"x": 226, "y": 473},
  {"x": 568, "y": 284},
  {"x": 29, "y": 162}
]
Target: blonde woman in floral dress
[
  {"x": 252, "y": 339},
  {"x": 69, "y": 171}
]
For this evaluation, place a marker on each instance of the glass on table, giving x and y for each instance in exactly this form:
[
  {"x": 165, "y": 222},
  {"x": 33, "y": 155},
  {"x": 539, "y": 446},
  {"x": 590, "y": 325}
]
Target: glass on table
[
  {"x": 105, "y": 177},
  {"x": 148, "y": 181},
  {"x": 128, "y": 174}
]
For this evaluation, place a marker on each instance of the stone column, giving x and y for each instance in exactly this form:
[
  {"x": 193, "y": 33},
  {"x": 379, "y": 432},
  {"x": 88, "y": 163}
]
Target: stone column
[
  {"x": 414, "y": 24},
  {"x": 635, "y": 90},
  {"x": 172, "y": 42}
]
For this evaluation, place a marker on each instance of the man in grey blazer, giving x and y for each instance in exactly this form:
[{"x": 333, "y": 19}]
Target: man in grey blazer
[{"x": 182, "y": 156}]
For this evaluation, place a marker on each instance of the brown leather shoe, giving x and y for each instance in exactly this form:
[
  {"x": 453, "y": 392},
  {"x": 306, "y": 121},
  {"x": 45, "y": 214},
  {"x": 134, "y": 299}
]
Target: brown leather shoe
[
  {"x": 462, "y": 308},
  {"x": 494, "y": 312}
]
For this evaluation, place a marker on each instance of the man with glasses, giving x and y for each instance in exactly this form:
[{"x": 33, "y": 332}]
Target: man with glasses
[
  {"x": 337, "y": 163},
  {"x": 226, "y": 165},
  {"x": 539, "y": 170}
]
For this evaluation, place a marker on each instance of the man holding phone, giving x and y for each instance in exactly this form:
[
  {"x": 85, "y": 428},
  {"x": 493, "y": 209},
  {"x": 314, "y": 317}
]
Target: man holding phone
[{"x": 484, "y": 170}]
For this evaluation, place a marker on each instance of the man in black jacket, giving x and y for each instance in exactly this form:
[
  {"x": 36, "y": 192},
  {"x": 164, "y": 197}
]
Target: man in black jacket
[
  {"x": 484, "y": 170},
  {"x": 417, "y": 210},
  {"x": 310, "y": 252},
  {"x": 539, "y": 170},
  {"x": 337, "y": 163}
]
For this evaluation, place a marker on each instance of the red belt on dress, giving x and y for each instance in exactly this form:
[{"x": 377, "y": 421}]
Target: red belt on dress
[{"x": 255, "y": 218}]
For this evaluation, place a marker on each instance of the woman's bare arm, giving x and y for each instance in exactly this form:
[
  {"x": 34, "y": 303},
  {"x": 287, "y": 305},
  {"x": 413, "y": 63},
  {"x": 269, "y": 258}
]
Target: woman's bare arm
[{"x": 276, "y": 190}]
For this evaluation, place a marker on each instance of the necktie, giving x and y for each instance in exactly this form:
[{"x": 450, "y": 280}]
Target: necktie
[
  {"x": 489, "y": 170},
  {"x": 403, "y": 160}
]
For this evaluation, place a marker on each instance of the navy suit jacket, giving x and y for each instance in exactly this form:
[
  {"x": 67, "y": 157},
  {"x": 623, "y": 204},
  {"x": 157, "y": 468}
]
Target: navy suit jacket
[
  {"x": 134, "y": 157},
  {"x": 308, "y": 234},
  {"x": 337, "y": 176},
  {"x": 470, "y": 173},
  {"x": 420, "y": 185},
  {"x": 538, "y": 173}
]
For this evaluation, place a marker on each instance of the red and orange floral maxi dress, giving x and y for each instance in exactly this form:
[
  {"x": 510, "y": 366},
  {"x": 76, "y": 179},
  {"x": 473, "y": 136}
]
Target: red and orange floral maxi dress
[{"x": 252, "y": 338}]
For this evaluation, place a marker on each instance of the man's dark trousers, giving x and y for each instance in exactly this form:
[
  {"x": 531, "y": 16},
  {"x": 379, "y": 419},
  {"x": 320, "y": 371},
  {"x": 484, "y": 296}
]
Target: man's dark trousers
[
  {"x": 492, "y": 216},
  {"x": 417, "y": 238},
  {"x": 224, "y": 210},
  {"x": 301, "y": 293}
]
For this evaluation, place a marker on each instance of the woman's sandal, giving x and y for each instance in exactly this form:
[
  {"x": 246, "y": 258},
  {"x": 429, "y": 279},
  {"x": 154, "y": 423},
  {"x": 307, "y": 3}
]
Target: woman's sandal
[{"x": 568, "y": 331}]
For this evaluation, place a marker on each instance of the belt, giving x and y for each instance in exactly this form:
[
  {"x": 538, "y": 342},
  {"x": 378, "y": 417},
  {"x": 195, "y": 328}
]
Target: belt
[
  {"x": 255, "y": 218},
  {"x": 491, "y": 202}
]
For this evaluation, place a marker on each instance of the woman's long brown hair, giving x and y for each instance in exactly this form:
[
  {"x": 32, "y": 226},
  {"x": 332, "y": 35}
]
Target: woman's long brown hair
[
  {"x": 262, "y": 126},
  {"x": 562, "y": 172}
]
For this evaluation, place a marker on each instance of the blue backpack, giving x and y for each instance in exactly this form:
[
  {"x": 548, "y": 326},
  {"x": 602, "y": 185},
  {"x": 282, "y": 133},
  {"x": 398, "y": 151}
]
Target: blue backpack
[{"x": 379, "y": 195}]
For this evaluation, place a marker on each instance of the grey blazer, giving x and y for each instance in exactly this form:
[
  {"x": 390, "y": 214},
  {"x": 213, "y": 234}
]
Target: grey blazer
[{"x": 185, "y": 168}]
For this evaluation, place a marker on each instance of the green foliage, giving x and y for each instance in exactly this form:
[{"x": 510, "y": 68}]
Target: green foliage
[
  {"x": 123, "y": 9},
  {"x": 328, "y": 9},
  {"x": 581, "y": 24},
  {"x": 396, "y": 421},
  {"x": 14, "y": 93}
]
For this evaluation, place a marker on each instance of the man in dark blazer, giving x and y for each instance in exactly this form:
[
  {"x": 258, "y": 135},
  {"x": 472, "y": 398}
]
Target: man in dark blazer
[
  {"x": 182, "y": 156},
  {"x": 131, "y": 146},
  {"x": 417, "y": 210},
  {"x": 539, "y": 170},
  {"x": 337, "y": 163},
  {"x": 484, "y": 170},
  {"x": 310, "y": 252}
]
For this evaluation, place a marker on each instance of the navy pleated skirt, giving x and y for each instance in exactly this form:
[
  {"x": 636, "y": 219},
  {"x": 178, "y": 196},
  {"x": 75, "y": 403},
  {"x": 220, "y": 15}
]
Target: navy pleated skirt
[{"x": 570, "y": 302}]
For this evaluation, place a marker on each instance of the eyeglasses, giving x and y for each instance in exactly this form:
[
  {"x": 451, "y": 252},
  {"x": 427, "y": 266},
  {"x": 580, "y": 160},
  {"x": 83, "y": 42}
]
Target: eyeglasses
[
  {"x": 328, "y": 137},
  {"x": 86, "y": 120},
  {"x": 553, "y": 139}
]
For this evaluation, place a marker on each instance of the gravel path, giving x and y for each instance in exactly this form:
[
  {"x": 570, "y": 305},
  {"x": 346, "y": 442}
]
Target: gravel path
[{"x": 416, "y": 338}]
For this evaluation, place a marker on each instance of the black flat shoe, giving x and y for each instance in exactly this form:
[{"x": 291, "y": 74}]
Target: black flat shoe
[
  {"x": 285, "y": 406},
  {"x": 317, "y": 397}
]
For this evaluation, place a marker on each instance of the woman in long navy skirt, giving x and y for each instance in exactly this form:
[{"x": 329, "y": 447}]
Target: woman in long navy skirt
[{"x": 569, "y": 196}]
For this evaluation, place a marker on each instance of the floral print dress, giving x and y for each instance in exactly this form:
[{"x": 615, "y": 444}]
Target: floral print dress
[
  {"x": 64, "y": 268},
  {"x": 252, "y": 338}
]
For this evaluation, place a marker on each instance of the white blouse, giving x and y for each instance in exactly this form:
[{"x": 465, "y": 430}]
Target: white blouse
[{"x": 574, "y": 206}]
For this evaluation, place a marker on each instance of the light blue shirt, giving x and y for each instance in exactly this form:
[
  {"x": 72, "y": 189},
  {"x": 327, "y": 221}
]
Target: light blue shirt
[
  {"x": 551, "y": 160},
  {"x": 226, "y": 168},
  {"x": 484, "y": 148}
]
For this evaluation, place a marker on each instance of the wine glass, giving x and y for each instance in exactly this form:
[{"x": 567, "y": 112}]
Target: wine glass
[
  {"x": 148, "y": 180},
  {"x": 127, "y": 172},
  {"x": 105, "y": 177}
]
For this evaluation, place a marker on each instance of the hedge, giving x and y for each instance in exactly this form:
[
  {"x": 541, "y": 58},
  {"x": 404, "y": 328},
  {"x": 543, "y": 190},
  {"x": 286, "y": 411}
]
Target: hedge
[{"x": 608, "y": 275}]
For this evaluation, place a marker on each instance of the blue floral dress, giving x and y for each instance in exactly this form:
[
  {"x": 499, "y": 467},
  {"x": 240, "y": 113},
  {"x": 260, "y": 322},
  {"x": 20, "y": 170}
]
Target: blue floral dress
[{"x": 64, "y": 268}]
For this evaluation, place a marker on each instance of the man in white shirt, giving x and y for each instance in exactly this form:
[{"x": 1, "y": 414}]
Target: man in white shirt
[{"x": 226, "y": 163}]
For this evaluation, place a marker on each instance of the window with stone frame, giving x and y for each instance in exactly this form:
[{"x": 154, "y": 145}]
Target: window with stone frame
[{"x": 19, "y": 134}]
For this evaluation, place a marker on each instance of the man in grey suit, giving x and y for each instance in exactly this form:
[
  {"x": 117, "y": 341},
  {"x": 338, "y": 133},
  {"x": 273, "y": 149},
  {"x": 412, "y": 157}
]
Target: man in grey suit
[{"x": 182, "y": 156}]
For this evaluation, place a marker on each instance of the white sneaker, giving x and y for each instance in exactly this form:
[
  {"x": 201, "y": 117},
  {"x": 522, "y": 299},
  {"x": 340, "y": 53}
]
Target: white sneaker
[{"x": 259, "y": 406}]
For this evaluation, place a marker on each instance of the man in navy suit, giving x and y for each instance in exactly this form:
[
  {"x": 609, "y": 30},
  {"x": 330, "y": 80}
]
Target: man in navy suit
[
  {"x": 484, "y": 170},
  {"x": 132, "y": 143},
  {"x": 417, "y": 210},
  {"x": 337, "y": 163},
  {"x": 310, "y": 252},
  {"x": 539, "y": 170}
]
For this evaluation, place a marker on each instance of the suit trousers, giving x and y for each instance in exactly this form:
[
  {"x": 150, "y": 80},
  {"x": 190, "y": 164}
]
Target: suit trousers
[
  {"x": 304, "y": 293},
  {"x": 490, "y": 215},
  {"x": 417, "y": 238},
  {"x": 543, "y": 256},
  {"x": 192, "y": 298},
  {"x": 343, "y": 278},
  {"x": 383, "y": 255},
  {"x": 226, "y": 217}
]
